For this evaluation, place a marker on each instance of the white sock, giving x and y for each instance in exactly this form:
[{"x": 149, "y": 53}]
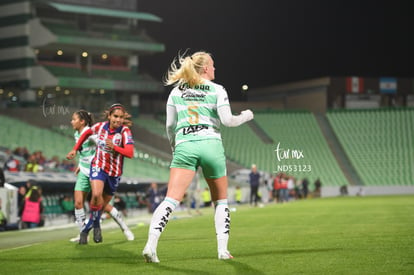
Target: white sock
[
  {"x": 222, "y": 224},
  {"x": 159, "y": 220},
  {"x": 80, "y": 217},
  {"x": 118, "y": 218}
]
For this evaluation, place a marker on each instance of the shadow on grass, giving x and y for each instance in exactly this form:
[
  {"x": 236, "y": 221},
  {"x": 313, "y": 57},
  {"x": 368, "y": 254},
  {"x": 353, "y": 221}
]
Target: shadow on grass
[
  {"x": 169, "y": 269},
  {"x": 242, "y": 268},
  {"x": 289, "y": 251}
]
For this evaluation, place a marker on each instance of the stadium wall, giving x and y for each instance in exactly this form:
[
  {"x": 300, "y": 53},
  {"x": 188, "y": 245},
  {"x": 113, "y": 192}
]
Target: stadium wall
[{"x": 368, "y": 190}]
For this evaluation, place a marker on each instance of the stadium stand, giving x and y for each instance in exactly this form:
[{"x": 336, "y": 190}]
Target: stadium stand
[
  {"x": 151, "y": 124},
  {"x": 292, "y": 131},
  {"x": 52, "y": 144},
  {"x": 17, "y": 133},
  {"x": 378, "y": 143}
]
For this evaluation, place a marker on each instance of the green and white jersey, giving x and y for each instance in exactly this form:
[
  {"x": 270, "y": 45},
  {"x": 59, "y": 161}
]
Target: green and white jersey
[
  {"x": 86, "y": 152},
  {"x": 196, "y": 108}
]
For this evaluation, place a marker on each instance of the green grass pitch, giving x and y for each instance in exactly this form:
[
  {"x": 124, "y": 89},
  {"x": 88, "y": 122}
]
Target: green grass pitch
[{"x": 344, "y": 235}]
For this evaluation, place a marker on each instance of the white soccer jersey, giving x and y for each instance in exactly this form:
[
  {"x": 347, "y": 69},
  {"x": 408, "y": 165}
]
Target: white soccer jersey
[
  {"x": 86, "y": 152},
  {"x": 196, "y": 109}
]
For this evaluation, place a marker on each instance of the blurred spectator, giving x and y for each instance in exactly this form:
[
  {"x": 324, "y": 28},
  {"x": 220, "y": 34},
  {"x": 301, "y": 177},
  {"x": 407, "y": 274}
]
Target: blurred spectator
[
  {"x": 283, "y": 192},
  {"x": 120, "y": 204},
  {"x": 40, "y": 158},
  {"x": 277, "y": 183},
  {"x": 68, "y": 207},
  {"x": 290, "y": 188},
  {"x": 360, "y": 192},
  {"x": 32, "y": 208},
  {"x": 305, "y": 187},
  {"x": 343, "y": 190},
  {"x": 21, "y": 160},
  {"x": 29, "y": 184},
  {"x": 67, "y": 165},
  {"x": 154, "y": 197},
  {"x": 298, "y": 190},
  {"x": 20, "y": 198},
  {"x": 254, "y": 179},
  {"x": 238, "y": 195},
  {"x": 2, "y": 178},
  {"x": 21, "y": 152},
  {"x": 32, "y": 165},
  {"x": 52, "y": 164},
  {"x": 318, "y": 186},
  {"x": 206, "y": 197},
  {"x": 12, "y": 164}
]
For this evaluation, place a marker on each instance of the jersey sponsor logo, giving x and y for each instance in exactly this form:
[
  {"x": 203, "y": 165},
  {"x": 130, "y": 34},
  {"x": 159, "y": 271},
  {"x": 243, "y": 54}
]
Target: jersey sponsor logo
[
  {"x": 191, "y": 95},
  {"x": 193, "y": 129},
  {"x": 201, "y": 87}
]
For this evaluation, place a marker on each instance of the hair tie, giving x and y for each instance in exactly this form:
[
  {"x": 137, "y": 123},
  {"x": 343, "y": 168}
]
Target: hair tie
[{"x": 116, "y": 106}]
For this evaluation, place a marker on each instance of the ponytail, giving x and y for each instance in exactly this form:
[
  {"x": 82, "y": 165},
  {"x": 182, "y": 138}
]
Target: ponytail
[
  {"x": 187, "y": 69},
  {"x": 86, "y": 116}
]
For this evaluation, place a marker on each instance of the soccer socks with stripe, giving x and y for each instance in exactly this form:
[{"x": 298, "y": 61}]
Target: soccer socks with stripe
[
  {"x": 80, "y": 217},
  {"x": 159, "y": 220},
  {"x": 118, "y": 218},
  {"x": 94, "y": 219},
  {"x": 222, "y": 224}
]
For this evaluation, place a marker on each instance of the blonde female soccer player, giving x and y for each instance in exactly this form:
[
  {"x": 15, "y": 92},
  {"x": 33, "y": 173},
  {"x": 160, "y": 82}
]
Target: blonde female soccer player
[{"x": 195, "y": 108}]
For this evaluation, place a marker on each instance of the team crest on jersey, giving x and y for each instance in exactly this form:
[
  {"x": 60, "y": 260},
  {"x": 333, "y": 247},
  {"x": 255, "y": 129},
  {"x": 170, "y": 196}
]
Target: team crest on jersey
[{"x": 117, "y": 139}]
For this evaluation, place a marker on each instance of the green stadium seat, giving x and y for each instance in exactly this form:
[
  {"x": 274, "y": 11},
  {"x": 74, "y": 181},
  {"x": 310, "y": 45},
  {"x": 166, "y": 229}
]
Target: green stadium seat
[{"x": 378, "y": 143}]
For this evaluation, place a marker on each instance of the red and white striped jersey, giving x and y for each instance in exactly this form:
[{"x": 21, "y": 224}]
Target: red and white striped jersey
[{"x": 105, "y": 158}]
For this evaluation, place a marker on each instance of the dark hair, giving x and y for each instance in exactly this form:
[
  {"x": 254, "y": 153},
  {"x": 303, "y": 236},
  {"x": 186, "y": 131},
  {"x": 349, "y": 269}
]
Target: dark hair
[
  {"x": 34, "y": 194},
  {"x": 118, "y": 106},
  {"x": 86, "y": 116}
]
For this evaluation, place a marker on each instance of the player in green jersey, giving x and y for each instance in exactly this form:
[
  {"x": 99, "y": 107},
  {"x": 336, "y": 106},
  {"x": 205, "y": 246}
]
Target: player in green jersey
[{"x": 195, "y": 109}]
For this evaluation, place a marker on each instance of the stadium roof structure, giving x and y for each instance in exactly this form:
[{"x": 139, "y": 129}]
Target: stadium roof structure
[
  {"x": 105, "y": 12},
  {"x": 34, "y": 31}
]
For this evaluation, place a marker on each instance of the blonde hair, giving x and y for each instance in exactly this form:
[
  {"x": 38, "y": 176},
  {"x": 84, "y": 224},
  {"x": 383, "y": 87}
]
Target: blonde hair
[{"x": 189, "y": 69}]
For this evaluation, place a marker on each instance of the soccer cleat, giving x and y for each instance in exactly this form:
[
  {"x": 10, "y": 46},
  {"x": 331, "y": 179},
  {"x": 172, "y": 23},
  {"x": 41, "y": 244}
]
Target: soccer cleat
[
  {"x": 83, "y": 238},
  {"x": 129, "y": 235},
  {"x": 75, "y": 239},
  {"x": 97, "y": 235},
  {"x": 225, "y": 255},
  {"x": 149, "y": 255}
]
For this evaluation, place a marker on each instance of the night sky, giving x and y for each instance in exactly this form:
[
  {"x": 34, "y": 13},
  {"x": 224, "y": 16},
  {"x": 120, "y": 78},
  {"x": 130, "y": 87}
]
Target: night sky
[{"x": 267, "y": 42}]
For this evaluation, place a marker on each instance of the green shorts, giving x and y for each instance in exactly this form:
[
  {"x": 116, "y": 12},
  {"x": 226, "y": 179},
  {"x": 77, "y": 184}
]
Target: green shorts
[
  {"x": 208, "y": 154},
  {"x": 82, "y": 183}
]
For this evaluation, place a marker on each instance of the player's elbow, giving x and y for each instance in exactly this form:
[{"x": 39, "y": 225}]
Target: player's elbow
[
  {"x": 129, "y": 153},
  {"x": 226, "y": 121}
]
